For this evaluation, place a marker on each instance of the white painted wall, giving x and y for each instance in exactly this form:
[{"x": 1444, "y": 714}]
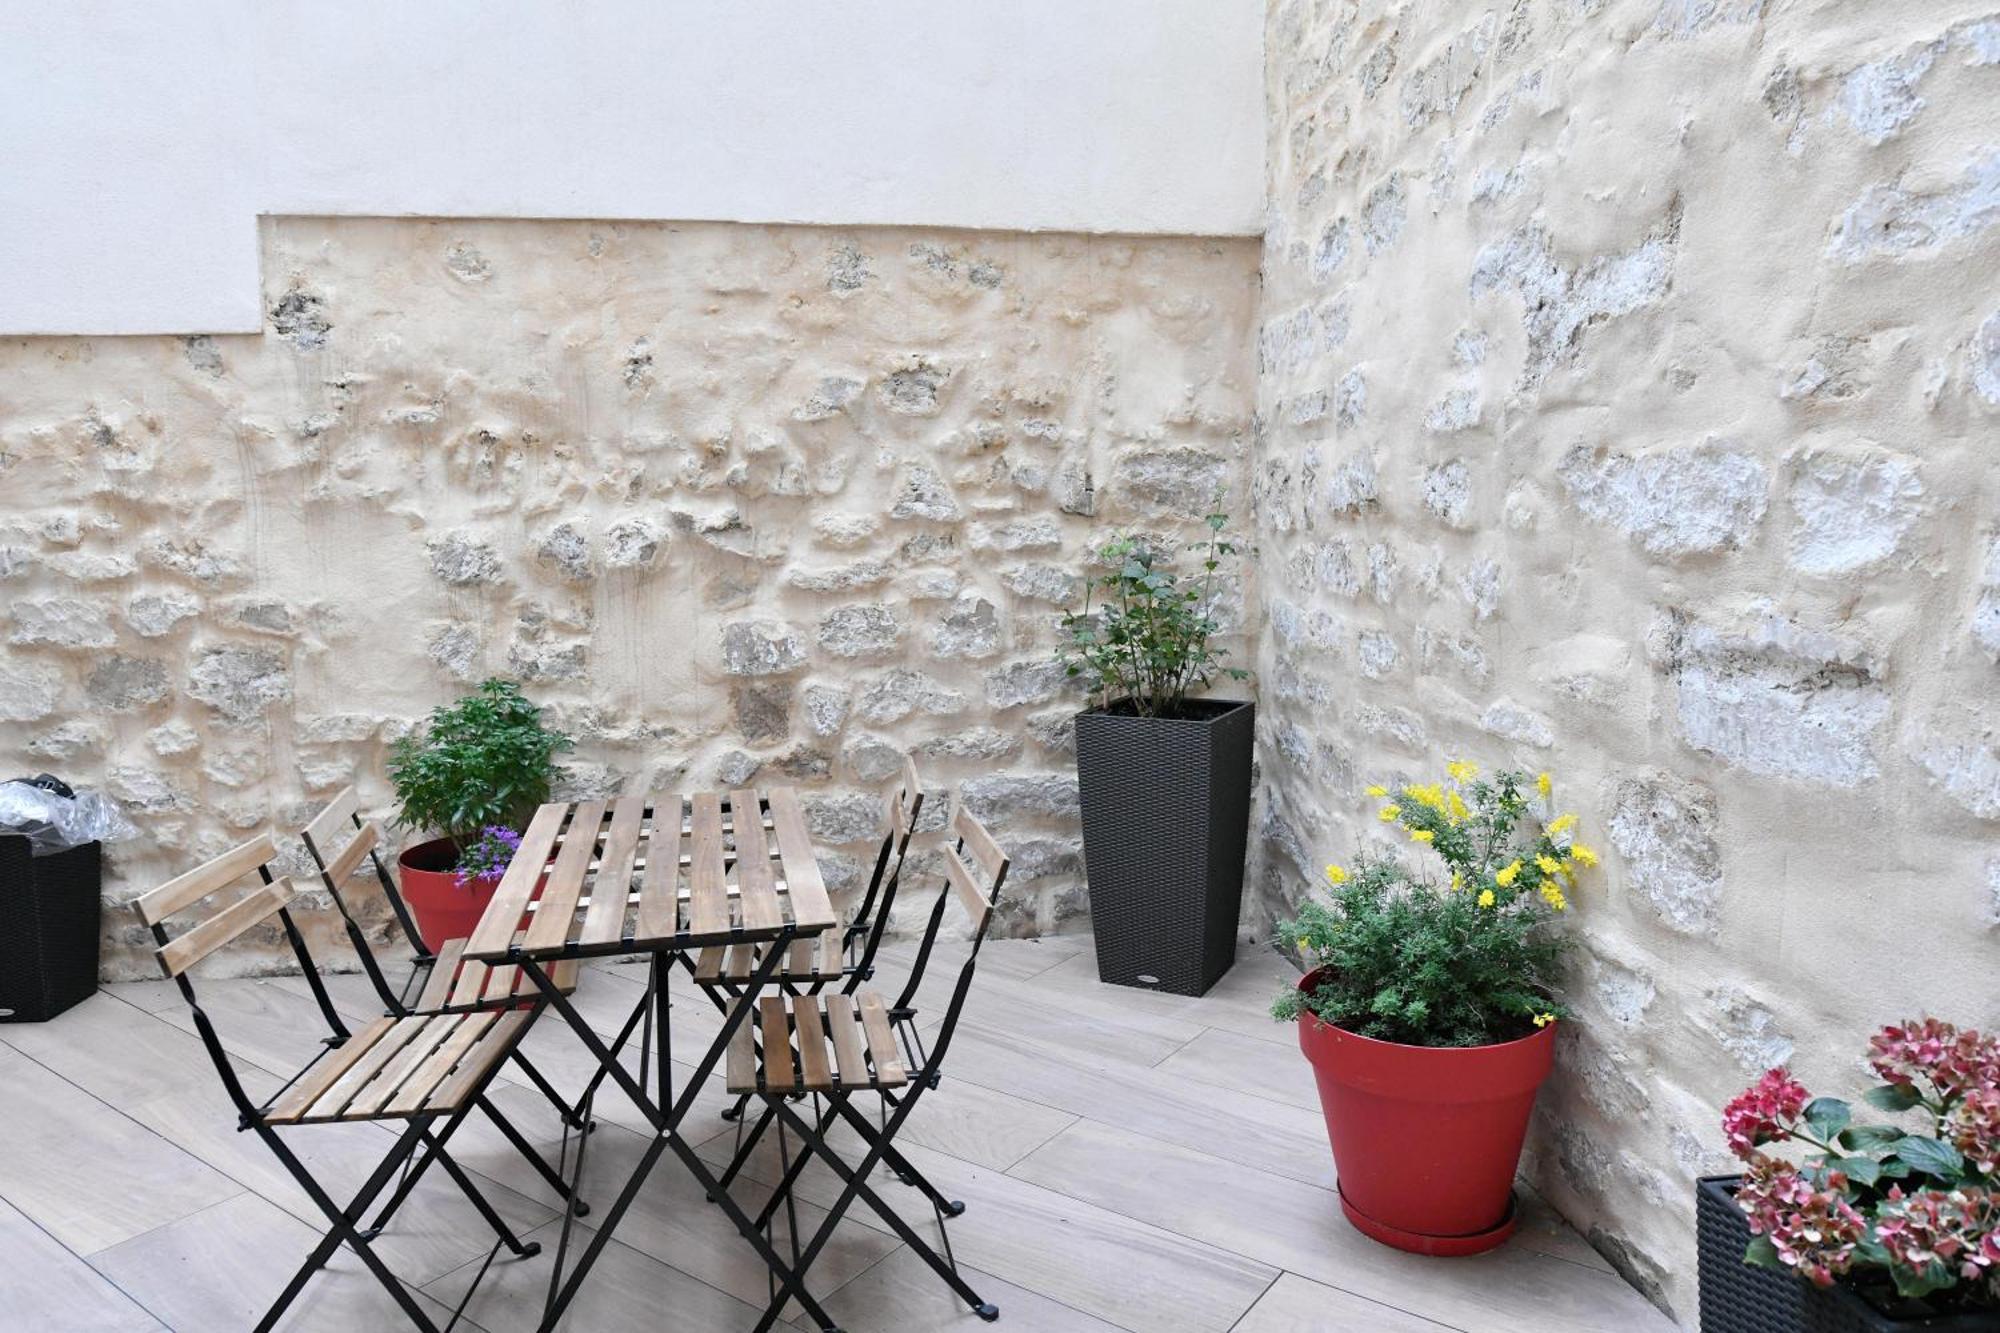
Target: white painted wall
[{"x": 139, "y": 142}]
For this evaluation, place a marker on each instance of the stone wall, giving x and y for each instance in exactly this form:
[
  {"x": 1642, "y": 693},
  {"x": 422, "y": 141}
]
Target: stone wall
[
  {"x": 735, "y": 501},
  {"x": 1629, "y": 394}
]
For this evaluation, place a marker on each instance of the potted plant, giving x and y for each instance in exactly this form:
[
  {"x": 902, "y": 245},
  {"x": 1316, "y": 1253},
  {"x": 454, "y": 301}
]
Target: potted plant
[
  {"x": 473, "y": 774},
  {"x": 1878, "y": 1227},
  {"x": 1428, "y": 1010},
  {"x": 1163, "y": 777}
]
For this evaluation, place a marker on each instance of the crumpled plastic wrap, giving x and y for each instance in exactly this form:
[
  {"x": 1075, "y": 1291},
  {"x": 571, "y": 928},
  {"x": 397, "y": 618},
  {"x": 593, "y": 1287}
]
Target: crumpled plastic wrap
[{"x": 54, "y": 822}]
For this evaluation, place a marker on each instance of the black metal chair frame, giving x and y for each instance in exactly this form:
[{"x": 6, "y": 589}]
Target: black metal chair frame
[
  {"x": 925, "y": 1074},
  {"x": 344, "y": 1223},
  {"x": 399, "y": 1004}
]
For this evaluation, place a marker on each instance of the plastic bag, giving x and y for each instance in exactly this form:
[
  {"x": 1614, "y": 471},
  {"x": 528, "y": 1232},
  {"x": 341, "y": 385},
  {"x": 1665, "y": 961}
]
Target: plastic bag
[{"x": 54, "y": 822}]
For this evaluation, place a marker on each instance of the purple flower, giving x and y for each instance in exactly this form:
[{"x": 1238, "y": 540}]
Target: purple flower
[{"x": 488, "y": 855}]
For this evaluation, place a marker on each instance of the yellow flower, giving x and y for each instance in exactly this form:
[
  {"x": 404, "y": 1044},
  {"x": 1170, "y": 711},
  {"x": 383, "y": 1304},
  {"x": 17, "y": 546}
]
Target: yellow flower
[
  {"x": 1543, "y": 783},
  {"x": 1543, "y": 1020},
  {"x": 1582, "y": 855},
  {"x": 1378, "y": 792},
  {"x": 1432, "y": 796},
  {"x": 1389, "y": 813},
  {"x": 1486, "y": 897},
  {"x": 1421, "y": 835},
  {"x": 1455, "y": 807},
  {"x": 1552, "y": 894},
  {"x": 1548, "y": 865},
  {"x": 1305, "y": 945},
  {"x": 1505, "y": 878},
  {"x": 1461, "y": 771},
  {"x": 1336, "y": 875},
  {"x": 1457, "y": 880},
  {"x": 1561, "y": 825}
]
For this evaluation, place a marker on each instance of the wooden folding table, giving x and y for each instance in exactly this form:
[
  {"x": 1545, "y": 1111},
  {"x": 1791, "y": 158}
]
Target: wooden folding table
[{"x": 657, "y": 875}]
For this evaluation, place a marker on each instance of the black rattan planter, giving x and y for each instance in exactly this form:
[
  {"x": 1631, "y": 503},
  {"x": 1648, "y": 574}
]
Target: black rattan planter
[
  {"x": 1739, "y": 1298},
  {"x": 1166, "y": 814},
  {"x": 50, "y": 909}
]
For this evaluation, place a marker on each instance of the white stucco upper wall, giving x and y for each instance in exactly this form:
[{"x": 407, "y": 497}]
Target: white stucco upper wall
[{"x": 139, "y": 143}]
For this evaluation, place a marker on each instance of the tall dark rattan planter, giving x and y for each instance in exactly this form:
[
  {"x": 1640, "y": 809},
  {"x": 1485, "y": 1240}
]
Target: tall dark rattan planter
[
  {"x": 50, "y": 909},
  {"x": 1166, "y": 814},
  {"x": 1739, "y": 1298}
]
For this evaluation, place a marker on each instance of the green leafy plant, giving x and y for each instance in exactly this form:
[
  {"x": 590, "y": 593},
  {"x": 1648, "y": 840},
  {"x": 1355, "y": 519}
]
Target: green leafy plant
[
  {"x": 1466, "y": 959},
  {"x": 486, "y": 759},
  {"x": 1909, "y": 1215},
  {"x": 1148, "y": 643}
]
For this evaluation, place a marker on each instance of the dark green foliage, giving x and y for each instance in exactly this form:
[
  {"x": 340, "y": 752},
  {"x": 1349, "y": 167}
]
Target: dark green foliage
[
  {"x": 1149, "y": 640},
  {"x": 486, "y": 759},
  {"x": 1411, "y": 963}
]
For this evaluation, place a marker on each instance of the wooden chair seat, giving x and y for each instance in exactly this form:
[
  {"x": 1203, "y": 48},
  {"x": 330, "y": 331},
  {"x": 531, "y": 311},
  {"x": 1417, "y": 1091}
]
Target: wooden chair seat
[
  {"x": 797, "y": 1032},
  {"x": 397, "y": 1068},
  {"x": 819, "y": 959},
  {"x": 460, "y": 985}
]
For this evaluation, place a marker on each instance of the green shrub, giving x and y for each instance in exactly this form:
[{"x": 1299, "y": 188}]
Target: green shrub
[
  {"x": 486, "y": 759},
  {"x": 1466, "y": 960}
]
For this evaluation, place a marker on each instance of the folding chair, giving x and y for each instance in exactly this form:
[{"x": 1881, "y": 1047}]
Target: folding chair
[
  {"x": 339, "y": 840},
  {"x": 847, "y": 955},
  {"x": 875, "y": 1048},
  {"x": 425, "y": 1071}
]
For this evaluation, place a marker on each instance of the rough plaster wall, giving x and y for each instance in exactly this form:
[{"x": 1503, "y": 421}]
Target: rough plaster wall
[
  {"x": 1629, "y": 393},
  {"x": 735, "y": 500}
]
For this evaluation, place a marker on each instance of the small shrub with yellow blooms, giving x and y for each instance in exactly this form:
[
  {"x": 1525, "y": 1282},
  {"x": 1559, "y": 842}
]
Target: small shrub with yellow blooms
[{"x": 1464, "y": 958}]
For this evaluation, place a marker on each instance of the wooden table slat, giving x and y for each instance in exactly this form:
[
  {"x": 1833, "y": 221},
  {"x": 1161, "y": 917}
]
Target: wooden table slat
[
  {"x": 708, "y": 899},
  {"x": 495, "y": 931},
  {"x": 604, "y": 922},
  {"x": 659, "y": 902},
  {"x": 811, "y": 908},
  {"x": 778, "y": 1071},
  {"x": 556, "y": 916},
  {"x": 757, "y": 885}
]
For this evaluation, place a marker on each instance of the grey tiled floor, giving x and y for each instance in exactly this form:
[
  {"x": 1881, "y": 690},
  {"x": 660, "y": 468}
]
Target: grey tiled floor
[{"x": 1130, "y": 1161}]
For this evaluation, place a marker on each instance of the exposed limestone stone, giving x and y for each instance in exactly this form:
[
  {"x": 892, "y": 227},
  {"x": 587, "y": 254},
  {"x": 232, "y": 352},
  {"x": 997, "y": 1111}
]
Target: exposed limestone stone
[
  {"x": 843, "y": 819},
  {"x": 847, "y": 578},
  {"x": 1560, "y": 303},
  {"x": 844, "y": 530},
  {"x": 977, "y": 743},
  {"x": 1985, "y": 356},
  {"x": 1665, "y": 829},
  {"x": 860, "y": 631},
  {"x": 1448, "y": 492},
  {"x": 826, "y": 707},
  {"x": 1779, "y": 699},
  {"x": 122, "y": 683},
  {"x": 1000, "y": 799},
  {"x": 1744, "y": 1027},
  {"x": 735, "y": 768},
  {"x": 832, "y": 396},
  {"x": 1893, "y": 220},
  {"x": 455, "y": 648},
  {"x": 565, "y": 550},
  {"x": 633, "y": 543},
  {"x": 1675, "y": 502},
  {"x": 897, "y": 694},
  {"x": 763, "y": 711},
  {"x": 1966, "y": 767},
  {"x": 1510, "y": 721},
  {"x": 1043, "y": 858},
  {"x": 463, "y": 561},
  {"x": 145, "y": 790},
  {"x": 873, "y": 759},
  {"x": 240, "y": 683},
  {"x": 1986, "y": 612},
  {"x": 1851, "y": 513},
  {"x": 61, "y": 622},
  {"x": 1044, "y": 583},
  {"x": 172, "y": 738},
  {"x": 913, "y": 389},
  {"x": 1377, "y": 653},
  {"x": 924, "y": 495},
  {"x": 761, "y": 648},
  {"x": 153, "y": 615},
  {"x": 28, "y": 691},
  {"x": 1031, "y": 682},
  {"x": 970, "y": 628},
  {"x": 1184, "y": 482}
]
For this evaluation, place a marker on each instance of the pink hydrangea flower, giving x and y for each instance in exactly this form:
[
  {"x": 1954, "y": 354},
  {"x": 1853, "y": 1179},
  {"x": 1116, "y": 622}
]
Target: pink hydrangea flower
[
  {"x": 1950, "y": 1060},
  {"x": 1973, "y": 1126},
  {"x": 1814, "y": 1230},
  {"x": 1934, "y": 1231},
  {"x": 1764, "y": 1111}
]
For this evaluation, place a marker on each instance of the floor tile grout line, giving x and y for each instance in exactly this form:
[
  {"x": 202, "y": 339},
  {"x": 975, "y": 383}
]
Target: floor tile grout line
[
  {"x": 1258, "y": 1300},
  {"x": 1215, "y": 1245},
  {"x": 84, "y": 1260}
]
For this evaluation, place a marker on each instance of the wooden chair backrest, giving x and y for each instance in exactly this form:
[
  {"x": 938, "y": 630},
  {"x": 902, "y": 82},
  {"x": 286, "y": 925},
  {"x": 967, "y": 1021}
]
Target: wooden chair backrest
[
  {"x": 903, "y": 804},
  {"x": 977, "y": 874},
  {"x": 225, "y": 923},
  {"x": 338, "y": 842}
]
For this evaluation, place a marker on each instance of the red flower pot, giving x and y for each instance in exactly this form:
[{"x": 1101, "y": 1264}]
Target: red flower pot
[
  {"x": 444, "y": 909},
  {"x": 1426, "y": 1139}
]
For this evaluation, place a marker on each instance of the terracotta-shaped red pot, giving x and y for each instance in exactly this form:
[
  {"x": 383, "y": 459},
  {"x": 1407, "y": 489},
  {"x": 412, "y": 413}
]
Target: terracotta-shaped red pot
[
  {"x": 1426, "y": 1139},
  {"x": 444, "y": 909}
]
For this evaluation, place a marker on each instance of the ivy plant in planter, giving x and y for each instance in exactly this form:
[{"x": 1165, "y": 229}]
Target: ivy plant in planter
[
  {"x": 1163, "y": 773},
  {"x": 471, "y": 776},
  {"x": 1428, "y": 1007}
]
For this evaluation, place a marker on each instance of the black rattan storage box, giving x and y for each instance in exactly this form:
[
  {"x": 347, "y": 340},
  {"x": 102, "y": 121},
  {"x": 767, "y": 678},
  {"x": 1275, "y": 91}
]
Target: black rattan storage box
[{"x": 50, "y": 910}]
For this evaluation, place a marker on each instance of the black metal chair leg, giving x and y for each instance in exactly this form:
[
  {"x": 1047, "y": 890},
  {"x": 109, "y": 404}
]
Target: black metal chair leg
[
  {"x": 535, "y": 1159},
  {"x": 486, "y": 1210},
  {"x": 570, "y": 1114}
]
